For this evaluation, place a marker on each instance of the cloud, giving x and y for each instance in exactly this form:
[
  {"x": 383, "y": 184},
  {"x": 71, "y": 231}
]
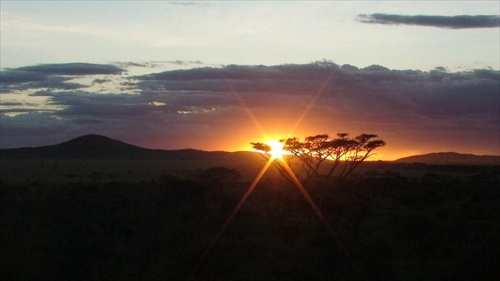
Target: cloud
[
  {"x": 17, "y": 81},
  {"x": 13, "y": 76},
  {"x": 53, "y": 76},
  {"x": 188, "y": 3},
  {"x": 32, "y": 129},
  {"x": 101, "y": 81},
  {"x": 348, "y": 97},
  {"x": 72, "y": 69},
  {"x": 414, "y": 91},
  {"x": 101, "y": 106},
  {"x": 209, "y": 107},
  {"x": 453, "y": 22}
]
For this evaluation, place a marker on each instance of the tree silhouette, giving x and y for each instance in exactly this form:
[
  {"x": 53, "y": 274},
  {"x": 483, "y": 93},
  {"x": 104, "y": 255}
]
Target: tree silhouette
[
  {"x": 345, "y": 154},
  {"x": 265, "y": 151},
  {"x": 354, "y": 151},
  {"x": 220, "y": 176}
]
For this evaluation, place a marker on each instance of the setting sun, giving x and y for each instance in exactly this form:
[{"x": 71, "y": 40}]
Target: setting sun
[{"x": 276, "y": 149}]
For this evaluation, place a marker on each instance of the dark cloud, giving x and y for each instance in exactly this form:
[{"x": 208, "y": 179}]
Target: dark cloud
[
  {"x": 454, "y": 22},
  {"x": 35, "y": 129},
  {"x": 414, "y": 91},
  {"x": 183, "y": 62},
  {"x": 133, "y": 64},
  {"x": 72, "y": 69},
  {"x": 19, "y": 76},
  {"x": 101, "y": 81},
  {"x": 20, "y": 80},
  {"x": 363, "y": 98},
  {"x": 14, "y": 103},
  {"x": 53, "y": 76},
  {"x": 157, "y": 64},
  {"x": 245, "y": 72},
  {"x": 98, "y": 106},
  {"x": 186, "y": 107}
]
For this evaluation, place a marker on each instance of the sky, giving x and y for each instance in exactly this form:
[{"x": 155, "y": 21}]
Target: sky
[{"x": 217, "y": 75}]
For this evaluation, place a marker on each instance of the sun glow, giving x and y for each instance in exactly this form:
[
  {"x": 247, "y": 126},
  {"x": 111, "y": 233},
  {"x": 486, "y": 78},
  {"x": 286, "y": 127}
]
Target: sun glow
[{"x": 276, "y": 151}]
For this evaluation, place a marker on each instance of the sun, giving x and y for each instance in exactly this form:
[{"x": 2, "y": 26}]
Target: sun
[{"x": 276, "y": 151}]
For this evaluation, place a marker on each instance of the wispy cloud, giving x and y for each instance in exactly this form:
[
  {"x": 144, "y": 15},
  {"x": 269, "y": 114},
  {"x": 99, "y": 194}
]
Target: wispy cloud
[
  {"x": 188, "y": 3},
  {"x": 453, "y": 22}
]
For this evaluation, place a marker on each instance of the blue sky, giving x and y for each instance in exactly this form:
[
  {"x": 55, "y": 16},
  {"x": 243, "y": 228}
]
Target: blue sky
[
  {"x": 216, "y": 75},
  {"x": 227, "y": 32}
]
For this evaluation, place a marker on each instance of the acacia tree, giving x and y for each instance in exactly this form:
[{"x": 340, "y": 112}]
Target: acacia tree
[
  {"x": 265, "y": 151},
  {"x": 365, "y": 145},
  {"x": 345, "y": 153},
  {"x": 311, "y": 153}
]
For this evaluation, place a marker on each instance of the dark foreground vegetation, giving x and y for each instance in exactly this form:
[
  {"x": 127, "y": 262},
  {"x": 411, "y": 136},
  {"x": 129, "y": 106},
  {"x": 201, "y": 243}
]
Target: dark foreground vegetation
[{"x": 392, "y": 227}]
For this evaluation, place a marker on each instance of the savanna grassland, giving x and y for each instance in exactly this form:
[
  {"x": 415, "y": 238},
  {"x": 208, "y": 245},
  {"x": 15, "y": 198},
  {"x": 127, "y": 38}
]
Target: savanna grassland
[{"x": 66, "y": 219}]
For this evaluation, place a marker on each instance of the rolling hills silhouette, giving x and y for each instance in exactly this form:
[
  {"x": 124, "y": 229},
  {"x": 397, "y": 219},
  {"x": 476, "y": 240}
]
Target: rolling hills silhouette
[
  {"x": 451, "y": 158},
  {"x": 94, "y": 146},
  {"x": 100, "y": 147}
]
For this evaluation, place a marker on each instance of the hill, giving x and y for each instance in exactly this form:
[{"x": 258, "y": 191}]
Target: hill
[
  {"x": 451, "y": 158},
  {"x": 101, "y": 147}
]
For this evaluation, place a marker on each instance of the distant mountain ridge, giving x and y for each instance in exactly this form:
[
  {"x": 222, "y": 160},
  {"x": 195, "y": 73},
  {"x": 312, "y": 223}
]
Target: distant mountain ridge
[
  {"x": 94, "y": 146},
  {"x": 97, "y": 145},
  {"x": 100, "y": 147},
  {"x": 451, "y": 158}
]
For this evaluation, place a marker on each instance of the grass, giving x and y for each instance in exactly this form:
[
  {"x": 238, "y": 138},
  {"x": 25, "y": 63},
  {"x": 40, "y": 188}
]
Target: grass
[
  {"x": 86, "y": 171},
  {"x": 63, "y": 171},
  {"x": 397, "y": 222}
]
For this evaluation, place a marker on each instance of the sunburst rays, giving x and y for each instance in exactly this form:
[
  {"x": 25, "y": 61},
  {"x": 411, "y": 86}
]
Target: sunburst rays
[{"x": 289, "y": 172}]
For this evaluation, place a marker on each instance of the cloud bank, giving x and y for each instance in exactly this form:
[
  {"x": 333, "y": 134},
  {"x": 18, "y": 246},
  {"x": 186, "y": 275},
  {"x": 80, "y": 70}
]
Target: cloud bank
[
  {"x": 52, "y": 76},
  {"x": 453, "y": 22},
  {"x": 224, "y": 108}
]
